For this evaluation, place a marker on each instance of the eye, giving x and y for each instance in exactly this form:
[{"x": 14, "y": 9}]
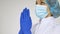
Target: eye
[{"x": 42, "y": 3}]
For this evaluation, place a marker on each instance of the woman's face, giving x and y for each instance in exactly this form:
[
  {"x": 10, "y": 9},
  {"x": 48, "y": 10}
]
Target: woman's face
[{"x": 42, "y": 2}]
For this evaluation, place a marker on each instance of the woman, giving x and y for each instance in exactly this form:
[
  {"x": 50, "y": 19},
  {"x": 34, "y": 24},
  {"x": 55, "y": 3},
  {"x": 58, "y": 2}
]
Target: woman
[{"x": 47, "y": 23}]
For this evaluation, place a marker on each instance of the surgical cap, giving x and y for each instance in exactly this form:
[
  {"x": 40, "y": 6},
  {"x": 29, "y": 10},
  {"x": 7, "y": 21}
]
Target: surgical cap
[{"x": 54, "y": 7}]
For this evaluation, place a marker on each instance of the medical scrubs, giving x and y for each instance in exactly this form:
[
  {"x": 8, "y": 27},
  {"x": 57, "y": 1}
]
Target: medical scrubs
[{"x": 47, "y": 26}]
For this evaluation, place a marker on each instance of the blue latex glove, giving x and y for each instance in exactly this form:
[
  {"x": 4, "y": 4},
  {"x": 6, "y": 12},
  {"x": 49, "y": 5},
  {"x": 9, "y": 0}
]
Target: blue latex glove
[{"x": 25, "y": 22}]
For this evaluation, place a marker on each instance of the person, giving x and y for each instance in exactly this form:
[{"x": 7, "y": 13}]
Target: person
[{"x": 47, "y": 11}]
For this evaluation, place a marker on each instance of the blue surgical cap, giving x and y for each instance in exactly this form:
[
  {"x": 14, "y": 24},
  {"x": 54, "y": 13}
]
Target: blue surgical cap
[{"x": 54, "y": 7}]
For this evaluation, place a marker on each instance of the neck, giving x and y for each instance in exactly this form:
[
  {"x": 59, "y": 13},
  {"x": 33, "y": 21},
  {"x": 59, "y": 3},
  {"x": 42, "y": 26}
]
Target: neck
[{"x": 49, "y": 15}]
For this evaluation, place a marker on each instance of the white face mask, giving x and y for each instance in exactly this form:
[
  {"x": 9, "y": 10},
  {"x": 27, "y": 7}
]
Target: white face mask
[{"x": 41, "y": 11}]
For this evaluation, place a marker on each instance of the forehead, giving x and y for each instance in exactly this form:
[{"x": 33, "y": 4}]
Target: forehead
[{"x": 40, "y": 0}]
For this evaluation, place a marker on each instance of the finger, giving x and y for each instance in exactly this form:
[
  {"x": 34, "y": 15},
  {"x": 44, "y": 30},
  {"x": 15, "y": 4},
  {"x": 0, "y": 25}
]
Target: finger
[
  {"x": 23, "y": 12},
  {"x": 26, "y": 13},
  {"x": 21, "y": 18},
  {"x": 22, "y": 15}
]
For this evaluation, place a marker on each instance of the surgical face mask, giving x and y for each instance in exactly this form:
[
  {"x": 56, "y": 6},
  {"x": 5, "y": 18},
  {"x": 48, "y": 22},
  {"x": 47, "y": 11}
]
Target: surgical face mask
[{"x": 41, "y": 11}]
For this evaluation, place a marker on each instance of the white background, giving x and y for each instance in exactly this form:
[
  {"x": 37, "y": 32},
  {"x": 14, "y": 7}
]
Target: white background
[{"x": 10, "y": 11}]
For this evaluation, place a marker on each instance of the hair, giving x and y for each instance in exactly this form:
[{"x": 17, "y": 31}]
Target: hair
[{"x": 36, "y": 2}]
